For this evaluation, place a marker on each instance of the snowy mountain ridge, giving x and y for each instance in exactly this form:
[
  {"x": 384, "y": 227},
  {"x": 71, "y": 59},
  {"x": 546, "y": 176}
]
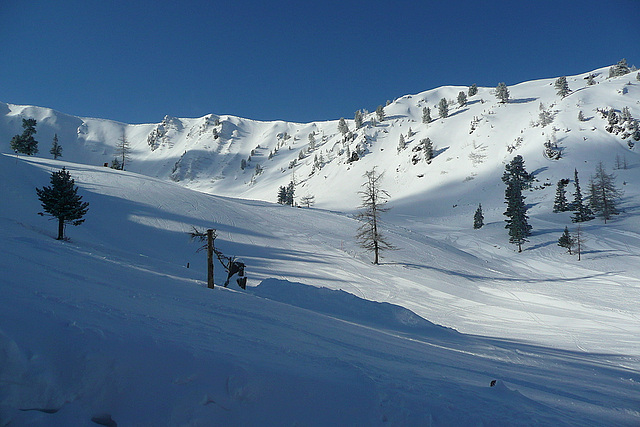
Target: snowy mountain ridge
[{"x": 239, "y": 157}]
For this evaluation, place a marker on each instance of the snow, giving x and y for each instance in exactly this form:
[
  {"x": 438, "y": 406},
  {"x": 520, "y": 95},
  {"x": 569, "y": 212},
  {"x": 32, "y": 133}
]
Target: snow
[{"x": 112, "y": 325}]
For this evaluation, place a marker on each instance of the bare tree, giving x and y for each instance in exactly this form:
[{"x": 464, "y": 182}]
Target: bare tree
[
  {"x": 122, "y": 152},
  {"x": 230, "y": 264},
  {"x": 604, "y": 193},
  {"x": 579, "y": 240},
  {"x": 307, "y": 200},
  {"x": 210, "y": 236},
  {"x": 373, "y": 200}
]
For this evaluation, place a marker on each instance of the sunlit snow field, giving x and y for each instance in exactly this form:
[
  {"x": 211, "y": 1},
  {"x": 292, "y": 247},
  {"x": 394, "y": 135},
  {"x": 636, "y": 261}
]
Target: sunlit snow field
[{"x": 112, "y": 325}]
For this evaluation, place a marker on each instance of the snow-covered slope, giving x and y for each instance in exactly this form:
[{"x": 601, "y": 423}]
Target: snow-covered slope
[
  {"x": 112, "y": 325},
  {"x": 471, "y": 145}
]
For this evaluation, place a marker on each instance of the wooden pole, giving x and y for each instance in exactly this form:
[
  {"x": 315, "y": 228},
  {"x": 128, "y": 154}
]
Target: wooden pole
[{"x": 210, "y": 258}]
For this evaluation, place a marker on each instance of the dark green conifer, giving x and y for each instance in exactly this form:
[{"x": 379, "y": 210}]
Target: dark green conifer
[
  {"x": 25, "y": 143},
  {"x": 566, "y": 241},
  {"x": 478, "y": 218},
  {"x": 62, "y": 202},
  {"x": 560, "y": 204}
]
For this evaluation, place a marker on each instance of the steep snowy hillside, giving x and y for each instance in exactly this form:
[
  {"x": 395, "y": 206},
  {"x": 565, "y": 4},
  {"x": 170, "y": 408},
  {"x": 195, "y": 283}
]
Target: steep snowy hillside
[
  {"x": 111, "y": 326},
  {"x": 239, "y": 157}
]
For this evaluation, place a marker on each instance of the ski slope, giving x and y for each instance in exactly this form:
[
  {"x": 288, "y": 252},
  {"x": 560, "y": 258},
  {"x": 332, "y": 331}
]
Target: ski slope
[{"x": 111, "y": 325}]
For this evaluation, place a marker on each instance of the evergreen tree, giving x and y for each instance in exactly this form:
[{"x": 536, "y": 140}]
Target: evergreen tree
[
  {"x": 115, "y": 164},
  {"x": 443, "y": 108},
  {"x": 502, "y": 93},
  {"x": 604, "y": 193},
  {"x": 517, "y": 179},
  {"x": 312, "y": 142},
  {"x": 620, "y": 69},
  {"x": 282, "y": 195},
  {"x": 380, "y": 113},
  {"x": 473, "y": 90},
  {"x": 56, "y": 149},
  {"x": 26, "y": 143},
  {"x": 562, "y": 86},
  {"x": 478, "y": 218},
  {"x": 374, "y": 199},
  {"x": 401, "y": 143},
  {"x": 243, "y": 164},
  {"x": 342, "y": 126},
  {"x": 290, "y": 192},
  {"x": 590, "y": 80},
  {"x": 62, "y": 202},
  {"x": 516, "y": 213},
  {"x": 427, "y": 146},
  {"x": 560, "y": 203},
  {"x": 358, "y": 119},
  {"x": 426, "y": 115},
  {"x": 462, "y": 99},
  {"x": 515, "y": 171},
  {"x": 581, "y": 116},
  {"x": 566, "y": 241},
  {"x": 581, "y": 211}
]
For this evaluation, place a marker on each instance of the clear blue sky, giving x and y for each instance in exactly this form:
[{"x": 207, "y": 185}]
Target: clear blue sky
[{"x": 136, "y": 61}]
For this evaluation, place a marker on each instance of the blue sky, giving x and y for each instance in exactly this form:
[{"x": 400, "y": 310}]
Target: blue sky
[{"x": 136, "y": 61}]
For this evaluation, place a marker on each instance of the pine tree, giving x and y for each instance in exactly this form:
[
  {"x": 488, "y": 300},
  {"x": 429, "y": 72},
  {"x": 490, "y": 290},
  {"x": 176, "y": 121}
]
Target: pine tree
[
  {"x": 562, "y": 86},
  {"x": 473, "y": 90},
  {"x": 478, "y": 218},
  {"x": 62, "y": 202},
  {"x": 443, "y": 108},
  {"x": 374, "y": 199},
  {"x": 502, "y": 93},
  {"x": 426, "y": 115},
  {"x": 590, "y": 80},
  {"x": 25, "y": 143},
  {"x": 427, "y": 146},
  {"x": 342, "y": 126},
  {"x": 380, "y": 113},
  {"x": 604, "y": 193},
  {"x": 290, "y": 192},
  {"x": 516, "y": 178},
  {"x": 312, "y": 142},
  {"x": 566, "y": 241},
  {"x": 282, "y": 195},
  {"x": 620, "y": 69},
  {"x": 581, "y": 116},
  {"x": 582, "y": 212},
  {"x": 401, "y": 143},
  {"x": 515, "y": 171},
  {"x": 56, "y": 149},
  {"x": 517, "y": 219},
  {"x": 462, "y": 99},
  {"x": 358, "y": 119},
  {"x": 560, "y": 203}
]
